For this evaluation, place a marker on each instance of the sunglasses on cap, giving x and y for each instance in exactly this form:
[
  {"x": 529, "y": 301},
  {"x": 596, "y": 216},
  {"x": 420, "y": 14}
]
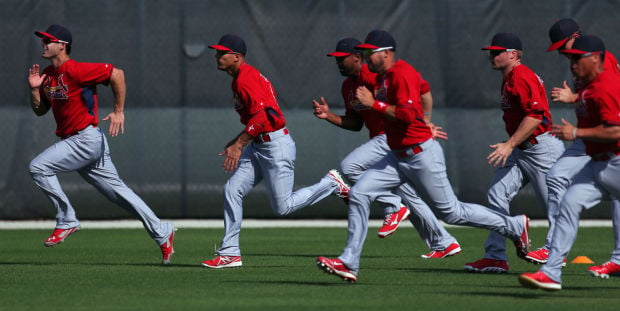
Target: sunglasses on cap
[
  {"x": 47, "y": 41},
  {"x": 580, "y": 56},
  {"x": 369, "y": 52},
  {"x": 497, "y": 52},
  {"x": 224, "y": 52}
]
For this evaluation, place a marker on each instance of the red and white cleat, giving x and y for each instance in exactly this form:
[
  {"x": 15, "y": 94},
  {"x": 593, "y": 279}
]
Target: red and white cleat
[
  {"x": 486, "y": 265},
  {"x": 59, "y": 235},
  {"x": 523, "y": 242},
  {"x": 343, "y": 189},
  {"x": 223, "y": 262},
  {"x": 605, "y": 270},
  {"x": 392, "y": 221},
  {"x": 451, "y": 250},
  {"x": 540, "y": 257},
  {"x": 167, "y": 249},
  {"x": 539, "y": 280},
  {"x": 335, "y": 266}
]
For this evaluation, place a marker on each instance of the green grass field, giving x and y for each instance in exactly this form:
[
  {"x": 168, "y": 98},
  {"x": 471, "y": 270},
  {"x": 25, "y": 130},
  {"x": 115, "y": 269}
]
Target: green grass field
[{"x": 99, "y": 269}]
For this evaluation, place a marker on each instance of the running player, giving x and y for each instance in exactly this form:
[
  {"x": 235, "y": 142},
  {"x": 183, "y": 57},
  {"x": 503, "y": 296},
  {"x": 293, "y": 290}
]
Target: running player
[
  {"x": 351, "y": 65},
  {"x": 562, "y": 35},
  {"x": 598, "y": 125},
  {"x": 68, "y": 88},
  {"x": 415, "y": 158},
  {"x": 530, "y": 150},
  {"x": 264, "y": 149}
]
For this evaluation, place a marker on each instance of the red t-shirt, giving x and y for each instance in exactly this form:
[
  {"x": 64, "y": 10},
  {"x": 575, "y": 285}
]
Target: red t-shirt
[
  {"x": 373, "y": 120},
  {"x": 524, "y": 95},
  {"x": 255, "y": 101},
  {"x": 611, "y": 63},
  {"x": 599, "y": 103},
  {"x": 70, "y": 90},
  {"x": 400, "y": 86}
]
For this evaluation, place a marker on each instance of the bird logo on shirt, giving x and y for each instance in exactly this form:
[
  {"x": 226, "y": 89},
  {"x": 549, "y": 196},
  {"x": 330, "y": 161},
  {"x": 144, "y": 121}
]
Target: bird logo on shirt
[{"x": 56, "y": 92}]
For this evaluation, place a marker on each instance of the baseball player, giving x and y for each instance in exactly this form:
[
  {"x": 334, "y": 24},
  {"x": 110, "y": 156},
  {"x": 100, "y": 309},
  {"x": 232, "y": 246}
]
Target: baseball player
[
  {"x": 68, "y": 88},
  {"x": 530, "y": 150},
  {"x": 598, "y": 125},
  {"x": 264, "y": 149},
  {"x": 414, "y": 158},
  {"x": 563, "y": 34},
  {"x": 351, "y": 65}
]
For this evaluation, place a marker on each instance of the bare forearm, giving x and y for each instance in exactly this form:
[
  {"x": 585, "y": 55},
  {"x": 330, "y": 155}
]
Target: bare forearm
[
  {"x": 119, "y": 89},
  {"x": 525, "y": 130},
  {"x": 241, "y": 140},
  {"x": 427, "y": 106},
  {"x": 600, "y": 133}
]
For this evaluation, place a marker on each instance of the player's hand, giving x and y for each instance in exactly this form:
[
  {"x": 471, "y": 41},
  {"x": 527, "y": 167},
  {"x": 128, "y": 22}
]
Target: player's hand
[
  {"x": 34, "y": 78},
  {"x": 563, "y": 94},
  {"x": 500, "y": 154},
  {"x": 365, "y": 96},
  {"x": 437, "y": 132},
  {"x": 320, "y": 109},
  {"x": 566, "y": 131},
  {"x": 117, "y": 122},
  {"x": 231, "y": 154}
]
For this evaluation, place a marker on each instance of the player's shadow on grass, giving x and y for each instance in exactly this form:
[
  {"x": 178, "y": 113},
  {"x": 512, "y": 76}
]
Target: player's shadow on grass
[
  {"x": 94, "y": 264},
  {"x": 572, "y": 292},
  {"x": 334, "y": 282},
  {"x": 279, "y": 255}
]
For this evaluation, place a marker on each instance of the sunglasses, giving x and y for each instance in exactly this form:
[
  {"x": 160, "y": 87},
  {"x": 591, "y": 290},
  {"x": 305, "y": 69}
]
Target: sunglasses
[
  {"x": 224, "y": 52},
  {"x": 576, "y": 57},
  {"x": 48, "y": 41},
  {"x": 369, "y": 52},
  {"x": 497, "y": 52}
]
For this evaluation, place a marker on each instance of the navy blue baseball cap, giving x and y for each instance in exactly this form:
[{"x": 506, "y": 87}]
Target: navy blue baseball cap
[
  {"x": 346, "y": 47},
  {"x": 586, "y": 45},
  {"x": 56, "y": 33},
  {"x": 504, "y": 41},
  {"x": 560, "y": 32},
  {"x": 377, "y": 39},
  {"x": 230, "y": 43}
]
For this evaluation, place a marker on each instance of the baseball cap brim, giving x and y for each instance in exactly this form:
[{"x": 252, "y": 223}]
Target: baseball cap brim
[
  {"x": 366, "y": 46},
  {"x": 46, "y": 35},
  {"x": 493, "y": 47},
  {"x": 557, "y": 45},
  {"x": 338, "y": 54},
  {"x": 220, "y": 48}
]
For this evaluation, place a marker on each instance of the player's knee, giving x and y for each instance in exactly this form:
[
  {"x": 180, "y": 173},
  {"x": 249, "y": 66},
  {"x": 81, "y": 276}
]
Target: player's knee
[
  {"x": 556, "y": 180},
  {"x": 607, "y": 179},
  {"x": 454, "y": 218},
  {"x": 231, "y": 192},
  {"x": 361, "y": 195},
  {"x": 350, "y": 171},
  {"x": 36, "y": 168}
]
